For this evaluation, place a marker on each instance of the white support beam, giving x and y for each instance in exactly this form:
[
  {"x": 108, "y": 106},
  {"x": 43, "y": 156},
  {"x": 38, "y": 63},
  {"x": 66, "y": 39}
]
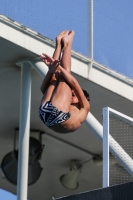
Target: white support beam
[
  {"x": 24, "y": 129},
  {"x": 94, "y": 125},
  {"x": 39, "y": 66}
]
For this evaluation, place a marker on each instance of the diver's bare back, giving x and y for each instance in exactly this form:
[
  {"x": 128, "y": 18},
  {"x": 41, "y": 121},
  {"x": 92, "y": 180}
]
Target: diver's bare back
[{"x": 72, "y": 124}]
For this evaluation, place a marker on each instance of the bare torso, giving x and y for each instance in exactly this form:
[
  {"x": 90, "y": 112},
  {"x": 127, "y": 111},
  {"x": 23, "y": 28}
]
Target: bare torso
[{"x": 71, "y": 125}]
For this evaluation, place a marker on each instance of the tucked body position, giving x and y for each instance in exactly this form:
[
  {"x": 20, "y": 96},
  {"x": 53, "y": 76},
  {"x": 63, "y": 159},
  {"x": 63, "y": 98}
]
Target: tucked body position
[{"x": 65, "y": 105}]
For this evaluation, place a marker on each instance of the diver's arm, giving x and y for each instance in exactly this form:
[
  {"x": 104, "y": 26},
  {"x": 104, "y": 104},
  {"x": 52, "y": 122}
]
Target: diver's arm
[
  {"x": 52, "y": 65},
  {"x": 46, "y": 82},
  {"x": 76, "y": 87}
]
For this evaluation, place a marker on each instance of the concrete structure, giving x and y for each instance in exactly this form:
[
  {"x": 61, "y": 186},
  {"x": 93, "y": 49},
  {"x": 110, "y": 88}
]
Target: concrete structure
[{"x": 21, "y": 45}]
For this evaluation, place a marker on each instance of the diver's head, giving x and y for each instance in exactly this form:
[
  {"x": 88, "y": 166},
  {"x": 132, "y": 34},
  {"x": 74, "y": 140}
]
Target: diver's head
[{"x": 86, "y": 95}]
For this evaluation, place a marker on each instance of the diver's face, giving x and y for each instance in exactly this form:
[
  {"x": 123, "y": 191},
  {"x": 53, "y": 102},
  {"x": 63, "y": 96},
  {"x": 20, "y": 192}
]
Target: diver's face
[{"x": 74, "y": 98}]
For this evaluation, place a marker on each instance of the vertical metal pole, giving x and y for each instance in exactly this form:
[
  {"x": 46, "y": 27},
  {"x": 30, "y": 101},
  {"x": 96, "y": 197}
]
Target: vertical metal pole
[
  {"x": 105, "y": 147},
  {"x": 24, "y": 129},
  {"x": 90, "y": 29}
]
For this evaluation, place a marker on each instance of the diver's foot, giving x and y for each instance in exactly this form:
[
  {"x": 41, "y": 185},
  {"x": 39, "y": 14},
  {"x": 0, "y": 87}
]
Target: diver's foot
[
  {"x": 68, "y": 38},
  {"x": 60, "y": 36}
]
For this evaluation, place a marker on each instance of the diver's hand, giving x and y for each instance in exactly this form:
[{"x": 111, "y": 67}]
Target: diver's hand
[{"x": 50, "y": 62}]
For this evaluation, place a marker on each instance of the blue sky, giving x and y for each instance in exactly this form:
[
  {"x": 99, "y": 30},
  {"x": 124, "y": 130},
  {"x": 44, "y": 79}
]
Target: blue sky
[
  {"x": 114, "y": 34},
  {"x": 7, "y": 195},
  {"x": 113, "y": 27}
]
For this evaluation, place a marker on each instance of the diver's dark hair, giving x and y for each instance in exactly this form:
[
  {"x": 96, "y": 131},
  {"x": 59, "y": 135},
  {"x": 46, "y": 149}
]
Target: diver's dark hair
[{"x": 86, "y": 94}]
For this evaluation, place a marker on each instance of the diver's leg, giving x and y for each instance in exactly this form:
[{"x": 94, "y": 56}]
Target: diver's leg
[
  {"x": 66, "y": 55},
  {"x": 48, "y": 90},
  {"x": 62, "y": 95},
  {"x": 58, "y": 48}
]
